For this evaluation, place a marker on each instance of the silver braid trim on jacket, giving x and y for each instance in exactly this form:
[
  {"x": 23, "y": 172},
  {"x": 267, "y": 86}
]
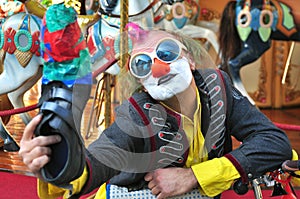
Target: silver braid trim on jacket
[
  {"x": 215, "y": 136},
  {"x": 172, "y": 152}
]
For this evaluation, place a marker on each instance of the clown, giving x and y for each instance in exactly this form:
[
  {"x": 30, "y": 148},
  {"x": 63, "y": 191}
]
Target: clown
[{"x": 172, "y": 136}]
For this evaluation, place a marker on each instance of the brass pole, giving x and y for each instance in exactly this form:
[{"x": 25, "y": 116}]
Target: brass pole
[
  {"x": 124, "y": 36},
  {"x": 123, "y": 59},
  {"x": 107, "y": 98},
  {"x": 288, "y": 62}
]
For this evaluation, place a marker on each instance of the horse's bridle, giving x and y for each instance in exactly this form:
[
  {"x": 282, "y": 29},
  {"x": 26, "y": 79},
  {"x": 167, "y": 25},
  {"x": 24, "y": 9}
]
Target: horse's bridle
[{"x": 10, "y": 42}]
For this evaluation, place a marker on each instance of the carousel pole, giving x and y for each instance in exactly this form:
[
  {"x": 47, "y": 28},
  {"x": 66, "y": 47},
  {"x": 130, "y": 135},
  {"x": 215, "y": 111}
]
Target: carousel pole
[
  {"x": 107, "y": 82},
  {"x": 122, "y": 61},
  {"x": 124, "y": 36}
]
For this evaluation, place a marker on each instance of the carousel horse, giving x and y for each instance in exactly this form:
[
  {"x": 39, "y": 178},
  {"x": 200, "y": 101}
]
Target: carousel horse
[
  {"x": 7, "y": 8},
  {"x": 19, "y": 52},
  {"x": 21, "y": 63},
  {"x": 247, "y": 28},
  {"x": 179, "y": 16}
]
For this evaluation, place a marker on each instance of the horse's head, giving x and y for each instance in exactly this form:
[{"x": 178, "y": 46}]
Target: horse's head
[
  {"x": 250, "y": 24},
  {"x": 247, "y": 28},
  {"x": 245, "y": 25},
  {"x": 176, "y": 14},
  {"x": 19, "y": 51},
  {"x": 103, "y": 36}
]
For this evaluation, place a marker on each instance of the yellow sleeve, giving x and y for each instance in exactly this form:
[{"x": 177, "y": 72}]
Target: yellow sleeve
[
  {"x": 101, "y": 193},
  {"x": 49, "y": 191},
  {"x": 215, "y": 176},
  {"x": 295, "y": 181}
]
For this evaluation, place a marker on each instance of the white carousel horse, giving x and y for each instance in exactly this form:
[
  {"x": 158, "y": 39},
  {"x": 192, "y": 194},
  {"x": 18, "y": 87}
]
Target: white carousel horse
[
  {"x": 20, "y": 57},
  {"x": 179, "y": 16},
  {"x": 8, "y": 8},
  {"x": 20, "y": 62}
]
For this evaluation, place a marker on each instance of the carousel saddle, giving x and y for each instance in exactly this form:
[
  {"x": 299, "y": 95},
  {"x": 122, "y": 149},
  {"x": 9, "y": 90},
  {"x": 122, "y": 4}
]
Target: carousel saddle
[{"x": 61, "y": 116}]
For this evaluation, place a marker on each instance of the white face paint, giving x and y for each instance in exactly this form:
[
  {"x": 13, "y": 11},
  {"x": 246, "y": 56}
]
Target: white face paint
[{"x": 176, "y": 81}]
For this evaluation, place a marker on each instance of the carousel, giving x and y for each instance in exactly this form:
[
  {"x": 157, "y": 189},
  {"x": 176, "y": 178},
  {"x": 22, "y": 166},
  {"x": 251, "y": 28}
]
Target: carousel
[{"x": 27, "y": 64}]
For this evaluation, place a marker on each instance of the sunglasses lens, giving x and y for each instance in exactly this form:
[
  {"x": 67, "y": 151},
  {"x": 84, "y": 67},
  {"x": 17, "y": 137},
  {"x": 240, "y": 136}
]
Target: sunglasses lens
[
  {"x": 168, "y": 50},
  {"x": 141, "y": 65}
]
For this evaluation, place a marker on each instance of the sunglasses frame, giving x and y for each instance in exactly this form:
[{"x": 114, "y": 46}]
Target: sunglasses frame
[{"x": 154, "y": 54}]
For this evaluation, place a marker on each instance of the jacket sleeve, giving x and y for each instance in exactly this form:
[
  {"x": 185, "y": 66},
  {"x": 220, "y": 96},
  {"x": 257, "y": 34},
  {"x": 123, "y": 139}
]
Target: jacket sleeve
[
  {"x": 264, "y": 146},
  {"x": 118, "y": 149}
]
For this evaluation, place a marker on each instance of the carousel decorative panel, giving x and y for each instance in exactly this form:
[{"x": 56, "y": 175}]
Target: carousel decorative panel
[{"x": 273, "y": 80}]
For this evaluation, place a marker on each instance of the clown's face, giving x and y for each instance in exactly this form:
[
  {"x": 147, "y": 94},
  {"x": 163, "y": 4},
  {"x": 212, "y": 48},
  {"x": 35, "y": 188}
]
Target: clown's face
[{"x": 160, "y": 63}]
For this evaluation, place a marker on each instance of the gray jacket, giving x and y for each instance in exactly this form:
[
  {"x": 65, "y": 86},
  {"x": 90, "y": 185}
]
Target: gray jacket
[{"x": 146, "y": 136}]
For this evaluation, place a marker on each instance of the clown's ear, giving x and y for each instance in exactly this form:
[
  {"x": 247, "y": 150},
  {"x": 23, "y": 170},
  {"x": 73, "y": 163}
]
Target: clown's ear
[{"x": 191, "y": 61}]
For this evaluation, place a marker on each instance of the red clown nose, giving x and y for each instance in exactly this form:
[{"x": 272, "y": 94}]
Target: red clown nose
[{"x": 159, "y": 68}]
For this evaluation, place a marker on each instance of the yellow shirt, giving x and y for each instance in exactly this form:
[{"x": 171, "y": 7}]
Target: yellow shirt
[{"x": 214, "y": 176}]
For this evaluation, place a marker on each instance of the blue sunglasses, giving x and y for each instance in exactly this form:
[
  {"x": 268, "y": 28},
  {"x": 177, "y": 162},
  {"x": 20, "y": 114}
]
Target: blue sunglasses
[{"x": 167, "y": 50}]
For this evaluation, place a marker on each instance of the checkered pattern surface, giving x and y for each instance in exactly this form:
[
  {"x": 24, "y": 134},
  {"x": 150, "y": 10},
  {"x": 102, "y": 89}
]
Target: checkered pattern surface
[{"x": 114, "y": 192}]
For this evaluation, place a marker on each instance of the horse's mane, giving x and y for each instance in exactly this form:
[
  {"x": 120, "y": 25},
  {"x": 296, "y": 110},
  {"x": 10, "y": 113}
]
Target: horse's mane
[{"x": 229, "y": 41}]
